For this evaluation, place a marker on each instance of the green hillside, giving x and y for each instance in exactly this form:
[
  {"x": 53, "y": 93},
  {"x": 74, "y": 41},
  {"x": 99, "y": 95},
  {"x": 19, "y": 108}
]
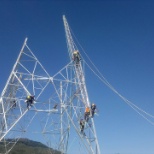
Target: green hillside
[{"x": 26, "y": 146}]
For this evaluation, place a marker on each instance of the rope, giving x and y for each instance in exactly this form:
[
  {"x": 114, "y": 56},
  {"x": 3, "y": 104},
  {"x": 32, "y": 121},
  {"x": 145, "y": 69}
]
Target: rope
[
  {"x": 133, "y": 106},
  {"x": 104, "y": 80}
]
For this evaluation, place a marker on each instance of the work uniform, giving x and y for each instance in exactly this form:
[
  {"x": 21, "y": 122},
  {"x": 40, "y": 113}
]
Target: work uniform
[
  {"x": 87, "y": 114},
  {"x": 29, "y": 101},
  {"x": 93, "y": 108},
  {"x": 76, "y": 57},
  {"x": 82, "y": 123}
]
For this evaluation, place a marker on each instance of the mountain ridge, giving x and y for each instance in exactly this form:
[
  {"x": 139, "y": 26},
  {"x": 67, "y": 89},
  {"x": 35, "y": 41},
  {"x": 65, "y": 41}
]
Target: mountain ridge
[{"x": 27, "y": 146}]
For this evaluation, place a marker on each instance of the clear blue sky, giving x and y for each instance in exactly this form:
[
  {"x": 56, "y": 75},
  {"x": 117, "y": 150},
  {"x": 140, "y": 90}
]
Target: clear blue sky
[{"x": 118, "y": 35}]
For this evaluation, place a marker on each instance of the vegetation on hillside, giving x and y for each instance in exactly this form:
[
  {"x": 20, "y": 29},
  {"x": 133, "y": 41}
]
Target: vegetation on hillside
[{"x": 26, "y": 146}]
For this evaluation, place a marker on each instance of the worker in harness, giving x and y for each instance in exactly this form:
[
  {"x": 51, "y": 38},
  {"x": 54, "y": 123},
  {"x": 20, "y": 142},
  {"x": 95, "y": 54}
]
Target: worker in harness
[
  {"x": 30, "y": 100},
  {"x": 14, "y": 104},
  {"x": 55, "y": 106},
  {"x": 93, "y": 108},
  {"x": 87, "y": 114},
  {"x": 76, "y": 57},
  {"x": 82, "y": 124}
]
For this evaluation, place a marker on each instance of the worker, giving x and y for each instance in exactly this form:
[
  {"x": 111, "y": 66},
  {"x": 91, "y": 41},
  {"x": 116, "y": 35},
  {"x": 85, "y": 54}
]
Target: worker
[
  {"x": 76, "y": 57},
  {"x": 55, "y": 106},
  {"x": 87, "y": 114},
  {"x": 14, "y": 104},
  {"x": 93, "y": 108},
  {"x": 30, "y": 100},
  {"x": 82, "y": 123}
]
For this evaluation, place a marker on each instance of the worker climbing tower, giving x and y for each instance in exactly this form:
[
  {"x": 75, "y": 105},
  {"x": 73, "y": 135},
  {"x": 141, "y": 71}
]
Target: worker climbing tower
[
  {"x": 82, "y": 90},
  {"x": 59, "y": 105}
]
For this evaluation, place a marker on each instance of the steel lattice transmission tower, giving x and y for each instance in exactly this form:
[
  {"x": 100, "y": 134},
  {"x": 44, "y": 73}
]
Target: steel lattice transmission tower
[{"x": 55, "y": 115}]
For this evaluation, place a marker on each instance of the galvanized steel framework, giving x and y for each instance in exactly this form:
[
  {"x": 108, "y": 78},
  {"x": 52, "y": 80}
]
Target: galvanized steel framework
[{"x": 60, "y": 104}]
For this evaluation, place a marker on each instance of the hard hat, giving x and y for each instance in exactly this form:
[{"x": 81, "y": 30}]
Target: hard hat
[{"x": 93, "y": 104}]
